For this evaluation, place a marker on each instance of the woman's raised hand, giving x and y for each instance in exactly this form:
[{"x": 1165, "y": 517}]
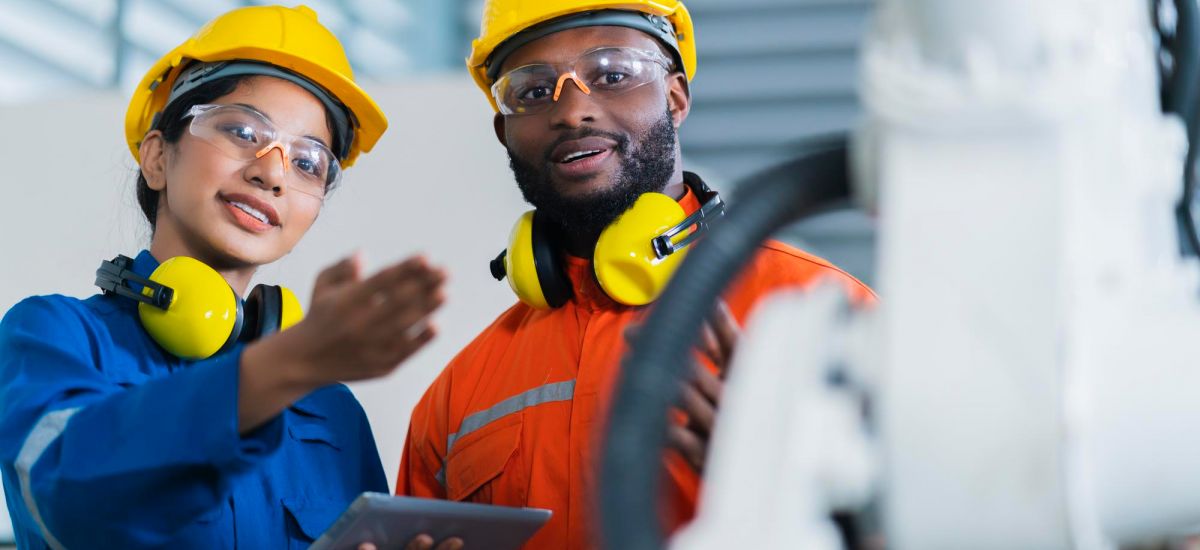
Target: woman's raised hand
[
  {"x": 356, "y": 329},
  {"x": 360, "y": 328}
]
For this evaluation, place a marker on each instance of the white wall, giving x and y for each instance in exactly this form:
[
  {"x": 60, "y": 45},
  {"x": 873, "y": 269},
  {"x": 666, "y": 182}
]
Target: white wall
[{"x": 438, "y": 183}]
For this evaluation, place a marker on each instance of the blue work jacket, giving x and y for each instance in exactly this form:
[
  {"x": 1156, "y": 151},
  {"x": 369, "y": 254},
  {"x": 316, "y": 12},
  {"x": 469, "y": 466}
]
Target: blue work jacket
[{"x": 108, "y": 441}]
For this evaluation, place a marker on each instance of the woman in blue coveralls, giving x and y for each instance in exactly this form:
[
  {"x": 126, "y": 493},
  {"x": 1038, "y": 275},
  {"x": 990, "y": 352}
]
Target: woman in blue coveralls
[{"x": 113, "y": 435}]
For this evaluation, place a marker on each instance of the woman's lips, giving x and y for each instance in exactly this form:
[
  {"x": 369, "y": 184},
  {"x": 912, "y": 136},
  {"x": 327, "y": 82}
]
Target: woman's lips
[{"x": 250, "y": 213}]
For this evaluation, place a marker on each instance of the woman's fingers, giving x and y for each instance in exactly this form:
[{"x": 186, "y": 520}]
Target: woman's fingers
[
  {"x": 407, "y": 315},
  {"x": 404, "y": 348},
  {"x": 412, "y": 298},
  {"x": 420, "y": 542},
  {"x": 423, "y": 542},
  {"x": 375, "y": 288},
  {"x": 348, "y": 270}
]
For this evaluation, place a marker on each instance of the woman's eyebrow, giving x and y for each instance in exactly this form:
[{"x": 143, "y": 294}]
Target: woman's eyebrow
[
  {"x": 319, "y": 140},
  {"x": 268, "y": 117},
  {"x": 255, "y": 109}
]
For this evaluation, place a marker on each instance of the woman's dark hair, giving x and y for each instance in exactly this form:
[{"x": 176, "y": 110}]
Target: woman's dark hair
[{"x": 172, "y": 124}]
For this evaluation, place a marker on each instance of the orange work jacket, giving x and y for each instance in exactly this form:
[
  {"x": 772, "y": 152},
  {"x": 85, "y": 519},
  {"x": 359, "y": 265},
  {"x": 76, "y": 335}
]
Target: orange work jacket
[{"x": 515, "y": 418}]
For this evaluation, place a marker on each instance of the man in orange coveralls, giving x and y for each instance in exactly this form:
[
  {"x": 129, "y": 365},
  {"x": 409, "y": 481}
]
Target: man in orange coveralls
[{"x": 589, "y": 96}]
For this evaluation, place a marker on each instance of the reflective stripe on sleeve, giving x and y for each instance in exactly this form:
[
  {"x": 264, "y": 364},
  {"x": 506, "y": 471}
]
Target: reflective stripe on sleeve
[{"x": 43, "y": 434}]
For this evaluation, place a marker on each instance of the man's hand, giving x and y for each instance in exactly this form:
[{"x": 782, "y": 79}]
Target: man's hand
[{"x": 701, "y": 394}]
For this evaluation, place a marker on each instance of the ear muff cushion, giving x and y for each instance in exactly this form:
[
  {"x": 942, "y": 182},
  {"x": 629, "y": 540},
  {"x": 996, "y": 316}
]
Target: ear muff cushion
[
  {"x": 624, "y": 259},
  {"x": 204, "y": 314},
  {"x": 264, "y": 312},
  {"x": 556, "y": 286}
]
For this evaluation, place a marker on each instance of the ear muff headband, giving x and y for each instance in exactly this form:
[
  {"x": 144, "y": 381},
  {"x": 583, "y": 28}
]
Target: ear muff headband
[
  {"x": 189, "y": 309},
  {"x": 112, "y": 277}
]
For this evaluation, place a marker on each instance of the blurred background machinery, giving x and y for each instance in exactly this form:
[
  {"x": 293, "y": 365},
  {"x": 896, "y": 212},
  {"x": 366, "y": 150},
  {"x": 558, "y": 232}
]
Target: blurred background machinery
[{"x": 1028, "y": 380}]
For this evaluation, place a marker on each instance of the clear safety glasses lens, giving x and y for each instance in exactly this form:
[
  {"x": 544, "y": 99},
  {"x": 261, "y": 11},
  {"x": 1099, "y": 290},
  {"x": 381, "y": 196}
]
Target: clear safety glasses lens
[
  {"x": 244, "y": 134},
  {"x": 602, "y": 73}
]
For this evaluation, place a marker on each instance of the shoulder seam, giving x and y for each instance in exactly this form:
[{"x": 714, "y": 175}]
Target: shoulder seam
[{"x": 784, "y": 248}]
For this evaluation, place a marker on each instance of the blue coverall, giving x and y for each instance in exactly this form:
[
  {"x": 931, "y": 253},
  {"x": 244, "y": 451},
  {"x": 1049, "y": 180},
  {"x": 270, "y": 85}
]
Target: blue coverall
[{"x": 108, "y": 441}]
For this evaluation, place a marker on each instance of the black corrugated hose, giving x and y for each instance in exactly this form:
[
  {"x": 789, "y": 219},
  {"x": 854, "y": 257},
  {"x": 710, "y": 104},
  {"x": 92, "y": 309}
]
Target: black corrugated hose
[
  {"x": 649, "y": 383},
  {"x": 1180, "y": 90}
]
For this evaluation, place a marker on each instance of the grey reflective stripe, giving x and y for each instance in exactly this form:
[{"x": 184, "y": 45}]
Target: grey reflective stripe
[
  {"x": 43, "y": 434},
  {"x": 549, "y": 393}
]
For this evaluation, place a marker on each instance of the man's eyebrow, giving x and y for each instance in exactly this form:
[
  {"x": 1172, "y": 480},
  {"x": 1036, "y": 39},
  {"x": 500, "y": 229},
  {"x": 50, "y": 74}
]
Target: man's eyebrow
[{"x": 268, "y": 117}]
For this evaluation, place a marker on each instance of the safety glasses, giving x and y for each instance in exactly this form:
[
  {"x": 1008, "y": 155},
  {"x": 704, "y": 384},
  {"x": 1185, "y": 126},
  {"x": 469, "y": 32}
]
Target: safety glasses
[
  {"x": 600, "y": 73},
  {"x": 245, "y": 134}
]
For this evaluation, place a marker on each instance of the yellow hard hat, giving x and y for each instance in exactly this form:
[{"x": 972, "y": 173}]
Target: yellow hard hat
[
  {"x": 505, "y": 19},
  {"x": 290, "y": 38}
]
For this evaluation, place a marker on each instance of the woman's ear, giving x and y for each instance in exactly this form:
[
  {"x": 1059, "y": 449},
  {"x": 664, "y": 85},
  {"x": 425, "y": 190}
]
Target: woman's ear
[
  {"x": 679, "y": 98},
  {"x": 153, "y": 156}
]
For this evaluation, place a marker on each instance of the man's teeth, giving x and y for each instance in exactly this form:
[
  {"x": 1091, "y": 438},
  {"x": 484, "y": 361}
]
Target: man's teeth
[
  {"x": 254, "y": 213},
  {"x": 580, "y": 154}
]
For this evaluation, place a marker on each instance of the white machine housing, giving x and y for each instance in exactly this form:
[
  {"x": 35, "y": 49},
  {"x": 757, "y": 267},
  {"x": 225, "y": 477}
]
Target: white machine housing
[{"x": 1032, "y": 363}]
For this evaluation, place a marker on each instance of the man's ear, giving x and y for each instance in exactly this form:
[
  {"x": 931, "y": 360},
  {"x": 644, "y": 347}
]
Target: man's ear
[
  {"x": 153, "y": 156},
  {"x": 498, "y": 126},
  {"x": 679, "y": 97}
]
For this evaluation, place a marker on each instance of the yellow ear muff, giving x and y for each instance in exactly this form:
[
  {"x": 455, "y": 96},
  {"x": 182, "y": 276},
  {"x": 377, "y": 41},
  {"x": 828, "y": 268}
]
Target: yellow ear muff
[
  {"x": 624, "y": 260},
  {"x": 520, "y": 266},
  {"x": 203, "y": 314},
  {"x": 290, "y": 312}
]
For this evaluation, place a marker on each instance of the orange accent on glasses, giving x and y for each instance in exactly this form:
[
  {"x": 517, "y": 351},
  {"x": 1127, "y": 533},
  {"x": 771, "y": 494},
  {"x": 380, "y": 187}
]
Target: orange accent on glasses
[
  {"x": 282, "y": 153},
  {"x": 563, "y": 78}
]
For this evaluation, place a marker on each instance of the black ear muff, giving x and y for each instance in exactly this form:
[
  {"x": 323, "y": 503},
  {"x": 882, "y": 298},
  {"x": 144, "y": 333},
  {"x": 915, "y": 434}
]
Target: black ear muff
[
  {"x": 547, "y": 250},
  {"x": 264, "y": 312}
]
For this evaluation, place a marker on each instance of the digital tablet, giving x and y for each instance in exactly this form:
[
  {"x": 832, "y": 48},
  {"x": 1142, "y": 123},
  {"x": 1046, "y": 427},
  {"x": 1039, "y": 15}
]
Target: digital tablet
[{"x": 391, "y": 522}]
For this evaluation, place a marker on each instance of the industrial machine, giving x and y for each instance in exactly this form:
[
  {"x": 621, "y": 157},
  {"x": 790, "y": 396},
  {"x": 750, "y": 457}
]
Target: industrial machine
[{"x": 1030, "y": 378}]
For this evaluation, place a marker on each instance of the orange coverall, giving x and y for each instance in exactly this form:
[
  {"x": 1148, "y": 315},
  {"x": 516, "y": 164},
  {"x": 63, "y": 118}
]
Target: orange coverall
[{"x": 515, "y": 417}]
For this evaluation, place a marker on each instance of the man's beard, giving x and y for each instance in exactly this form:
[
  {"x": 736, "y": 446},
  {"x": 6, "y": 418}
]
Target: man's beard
[{"x": 646, "y": 166}]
